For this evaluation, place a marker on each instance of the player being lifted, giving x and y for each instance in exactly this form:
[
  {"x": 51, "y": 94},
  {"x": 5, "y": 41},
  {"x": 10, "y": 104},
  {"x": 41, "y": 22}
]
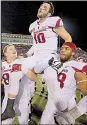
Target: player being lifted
[
  {"x": 22, "y": 104},
  {"x": 62, "y": 86},
  {"x": 45, "y": 31}
]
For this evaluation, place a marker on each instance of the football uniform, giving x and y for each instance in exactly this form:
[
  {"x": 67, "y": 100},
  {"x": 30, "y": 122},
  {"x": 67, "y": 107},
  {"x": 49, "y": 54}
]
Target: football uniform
[
  {"x": 61, "y": 88},
  {"x": 45, "y": 42},
  {"x": 44, "y": 36},
  {"x": 22, "y": 104}
]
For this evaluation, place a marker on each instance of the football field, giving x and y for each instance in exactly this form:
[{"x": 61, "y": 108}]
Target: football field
[{"x": 39, "y": 101}]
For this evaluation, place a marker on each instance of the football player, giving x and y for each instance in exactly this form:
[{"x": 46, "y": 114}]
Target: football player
[
  {"x": 21, "y": 105},
  {"x": 67, "y": 77}
]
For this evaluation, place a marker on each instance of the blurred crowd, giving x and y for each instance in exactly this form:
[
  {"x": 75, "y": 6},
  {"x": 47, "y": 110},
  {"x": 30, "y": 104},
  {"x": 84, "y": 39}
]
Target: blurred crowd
[{"x": 81, "y": 55}]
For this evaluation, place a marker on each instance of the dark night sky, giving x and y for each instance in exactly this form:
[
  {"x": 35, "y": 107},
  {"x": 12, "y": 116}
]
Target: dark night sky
[{"x": 16, "y": 16}]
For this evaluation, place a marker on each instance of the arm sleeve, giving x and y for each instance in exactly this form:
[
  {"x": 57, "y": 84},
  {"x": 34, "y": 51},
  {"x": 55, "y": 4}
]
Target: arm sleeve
[
  {"x": 79, "y": 66},
  {"x": 59, "y": 22},
  {"x": 55, "y": 22},
  {"x": 30, "y": 28}
]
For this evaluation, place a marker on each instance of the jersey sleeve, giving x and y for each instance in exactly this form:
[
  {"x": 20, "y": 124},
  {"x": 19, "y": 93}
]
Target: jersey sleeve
[
  {"x": 55, "y": 22},
  {"x": 2, "y": 67},
  {"x": 84, "y": 69},
  {"x": 79, "y": 66},
  {"x": 30, "y": 28}
]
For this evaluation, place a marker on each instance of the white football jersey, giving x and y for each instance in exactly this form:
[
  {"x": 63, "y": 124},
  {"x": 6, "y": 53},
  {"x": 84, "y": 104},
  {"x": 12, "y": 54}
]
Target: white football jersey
[
  {"x": 24, "y": 82},
  {"x": 6, "y": 70},
  {"x": 78, "y": 66},
  {"x": 44, "y": 36},
  {"x": 66, "y": 77},
  {"x": 26, "y": 91},
  {"x": 66, "y": 85}
]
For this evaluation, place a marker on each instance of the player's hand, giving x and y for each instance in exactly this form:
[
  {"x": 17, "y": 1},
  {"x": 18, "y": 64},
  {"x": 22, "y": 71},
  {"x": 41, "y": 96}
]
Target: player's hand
[
  {"x": 55, "y": 64},
  {"x": 65, "y": 119},
  {"x": 16, "y": 67}
]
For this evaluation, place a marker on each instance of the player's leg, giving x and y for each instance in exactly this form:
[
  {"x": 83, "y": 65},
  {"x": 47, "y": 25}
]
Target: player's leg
[
  {"x": 25, "y": 93},
  {"x": 13, "y": 91},
  {"x": 32, "y": 89},
  {"x": 2, "y": 93},
  {"x": 42, "y": 63},
  {"x": 4, "y": 103},
  {"x": 48, "y": 113},
  {"x": 24, "y": 108},
  {"x": 8, "y": 121},
  {"x": 71, "y": 103},
  {"x": 82, "y": 105},
  {"x": 70, "y": 116},
  {"x": 27, "y": 67}
]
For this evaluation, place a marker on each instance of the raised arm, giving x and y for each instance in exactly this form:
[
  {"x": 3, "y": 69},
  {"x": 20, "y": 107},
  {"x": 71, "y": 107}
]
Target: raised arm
[{"x": 63, "y": 34}]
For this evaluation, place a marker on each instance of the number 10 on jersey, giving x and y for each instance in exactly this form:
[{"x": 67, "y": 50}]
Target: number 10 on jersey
[{"x": 39, "y": 38}]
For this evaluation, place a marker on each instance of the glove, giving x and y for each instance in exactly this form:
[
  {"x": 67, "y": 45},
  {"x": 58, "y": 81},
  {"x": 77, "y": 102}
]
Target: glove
[
  {"x": 65, "y": 119},
  {"x": 55, "y": 64},
  {"x": 16, "y": 67}
]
